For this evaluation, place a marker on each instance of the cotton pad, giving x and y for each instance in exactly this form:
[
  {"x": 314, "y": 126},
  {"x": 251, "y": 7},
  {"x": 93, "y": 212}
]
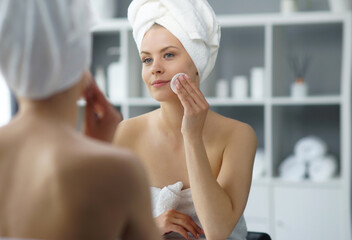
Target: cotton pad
[{"x": 172, "y": 83}]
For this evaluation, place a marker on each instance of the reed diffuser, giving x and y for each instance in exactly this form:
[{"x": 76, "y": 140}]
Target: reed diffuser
[{"x": 299, "y": 66}]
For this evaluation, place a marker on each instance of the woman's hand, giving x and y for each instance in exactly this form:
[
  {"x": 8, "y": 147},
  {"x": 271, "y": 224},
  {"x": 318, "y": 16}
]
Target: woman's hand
[
  {"x": 174, "y": 221},
  {"x": 101, "y": 119},
  {"x": 195, "y": 107}
]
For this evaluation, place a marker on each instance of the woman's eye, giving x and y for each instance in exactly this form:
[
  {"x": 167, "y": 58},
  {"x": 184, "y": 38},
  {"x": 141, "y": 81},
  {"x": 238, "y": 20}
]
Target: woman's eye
[
  {"x": 169, "y": 55},
  {"x": 147, "y": 60}
]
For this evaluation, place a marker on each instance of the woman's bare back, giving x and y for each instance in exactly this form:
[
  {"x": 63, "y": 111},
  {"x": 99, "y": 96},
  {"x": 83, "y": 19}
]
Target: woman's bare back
[{"x": 57, "y": 184}]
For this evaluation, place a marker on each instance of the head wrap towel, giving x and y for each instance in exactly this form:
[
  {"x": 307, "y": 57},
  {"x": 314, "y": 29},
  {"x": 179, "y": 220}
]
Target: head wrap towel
[
  {"x": 193, "y": 22},
  {"x": 45, "y": 45}
]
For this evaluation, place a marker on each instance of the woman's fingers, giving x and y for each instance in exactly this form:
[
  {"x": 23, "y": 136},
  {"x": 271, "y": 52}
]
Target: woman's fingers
[
  {"x": 187, "y": 223},
  {"x": 190, "y": 95},
  {"x": 180, "y": 230},
  {"x": 175, "y": 221}
]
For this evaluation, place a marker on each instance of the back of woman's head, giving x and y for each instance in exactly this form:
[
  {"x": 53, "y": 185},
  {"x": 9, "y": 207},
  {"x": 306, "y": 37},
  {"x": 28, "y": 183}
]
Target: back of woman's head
[{"x": 45, "y": 45}]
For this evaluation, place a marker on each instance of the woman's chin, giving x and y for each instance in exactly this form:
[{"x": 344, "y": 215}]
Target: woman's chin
[{"x": 162, "y": 96}]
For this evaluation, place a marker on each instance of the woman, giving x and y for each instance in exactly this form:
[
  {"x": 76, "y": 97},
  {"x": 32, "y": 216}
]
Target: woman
[
  {"x": 190, "y": 152},
  {"x": 54, "y": 182}
]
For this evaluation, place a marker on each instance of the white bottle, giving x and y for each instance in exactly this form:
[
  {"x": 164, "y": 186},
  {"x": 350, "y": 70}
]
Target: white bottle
[
  {"x": 116, "y": 81},
  {"x": 257, "y": 83},
  {"x": 340, "y": 6},
  {"x": 100, "y": 79},
  {"x": 240, "y": 87},
  {"x": 288, "y": 6},
  {"x": 222, "y": 88},
  {"x": 104, "y": 9}
]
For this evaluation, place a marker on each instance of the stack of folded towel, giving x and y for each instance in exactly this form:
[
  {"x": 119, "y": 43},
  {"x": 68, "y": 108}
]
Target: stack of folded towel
[{"x": 310, "y": 160}]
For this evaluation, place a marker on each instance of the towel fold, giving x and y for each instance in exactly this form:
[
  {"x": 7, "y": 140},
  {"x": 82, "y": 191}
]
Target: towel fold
[
  {"x": 322, "y": 169},
  {"x": 192, "y": 22},
  {"x": 292, "y": 169},
  {"x": 310, "y": 148},
  {"x": 166, "y": 198}
]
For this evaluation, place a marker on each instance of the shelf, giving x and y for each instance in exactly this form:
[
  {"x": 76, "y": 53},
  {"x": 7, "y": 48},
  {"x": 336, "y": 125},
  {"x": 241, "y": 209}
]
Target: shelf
[
  {"x": 332, "y": 183},
  {"x": 112, "y": 25},
  {"x": 311, "y": 100},
  {"x": 248, "y": 20},
  {"x": 242, "y": 20},
  {"x": 139, "y": 102},
  {"x": 234, "y": 102}
]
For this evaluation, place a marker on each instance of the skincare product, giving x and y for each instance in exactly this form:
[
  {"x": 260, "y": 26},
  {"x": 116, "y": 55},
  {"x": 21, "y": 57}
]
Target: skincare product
[
  {"x": 222, "y": 88},
  {"x": 104, "y": 9},
  {"x": 288, "y": 6},
  {"x": 340, "y": 6},
  {"x": 117, "y": 86},
  {"x": 240, "y": 87},
  {"x": 257, "y": 83},
  {"x": 299, "y": 88}
]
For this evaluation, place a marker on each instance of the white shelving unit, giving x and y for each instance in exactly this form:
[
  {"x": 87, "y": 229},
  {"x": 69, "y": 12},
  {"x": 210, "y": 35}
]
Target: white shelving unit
[{"x": 286, "y": 210}]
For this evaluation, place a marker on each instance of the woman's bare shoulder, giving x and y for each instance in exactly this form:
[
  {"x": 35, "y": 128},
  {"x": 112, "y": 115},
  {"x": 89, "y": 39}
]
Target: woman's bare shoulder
[
  {"x": 130, "y": 130},
  {"x": 225, "y": 126},
  {"x": 95, "y": 169}
]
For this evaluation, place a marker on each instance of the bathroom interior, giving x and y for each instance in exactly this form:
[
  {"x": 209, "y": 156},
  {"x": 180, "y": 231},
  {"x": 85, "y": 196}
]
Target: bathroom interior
[{"x": 285, "y": 68}]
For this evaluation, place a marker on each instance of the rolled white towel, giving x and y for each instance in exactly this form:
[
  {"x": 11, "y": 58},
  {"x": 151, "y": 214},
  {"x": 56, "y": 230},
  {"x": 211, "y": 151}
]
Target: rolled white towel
[
  {"x": 166, "y": 198},
  {"x": 259, "y": 162},
  {"x": 310, "y": 148},
  {"x": 323, "y": 168},
  {"x": 292, "y": 169}
]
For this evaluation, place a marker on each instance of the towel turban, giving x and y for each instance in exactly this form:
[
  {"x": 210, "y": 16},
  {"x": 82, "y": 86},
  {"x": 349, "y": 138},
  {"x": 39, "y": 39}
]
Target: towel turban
[
  {"x": 192, "y": 22},
  {"x": 45, "y": 45}
]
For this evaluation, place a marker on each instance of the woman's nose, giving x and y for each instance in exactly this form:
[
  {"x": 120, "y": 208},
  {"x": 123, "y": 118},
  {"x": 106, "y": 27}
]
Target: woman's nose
[{"x": 157, "y": 67}]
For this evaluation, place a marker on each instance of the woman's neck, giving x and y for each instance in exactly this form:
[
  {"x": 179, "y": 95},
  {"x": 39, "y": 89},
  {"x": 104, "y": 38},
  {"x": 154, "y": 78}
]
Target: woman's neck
[
  {"x": 61, "y": 108},
  {"x": 171, "y": 115}
]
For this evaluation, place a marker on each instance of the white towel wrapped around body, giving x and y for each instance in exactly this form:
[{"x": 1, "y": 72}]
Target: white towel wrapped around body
[
  {"x": 310, "y": 148},
  {"x": 173, "y": 197},
  {"x": 192, "y": 22},
  {"x": 166, "y": 198},
  {"x": 322, "y": 169}
]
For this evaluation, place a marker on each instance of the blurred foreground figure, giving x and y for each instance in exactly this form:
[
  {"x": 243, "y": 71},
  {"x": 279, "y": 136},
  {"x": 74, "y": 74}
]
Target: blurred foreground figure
[{"x": 55, "y": 183}]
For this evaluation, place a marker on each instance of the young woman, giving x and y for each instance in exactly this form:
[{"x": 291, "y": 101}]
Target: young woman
[
  {"x": 56, "y": 183},
  {"x": 199, "y": 163}
]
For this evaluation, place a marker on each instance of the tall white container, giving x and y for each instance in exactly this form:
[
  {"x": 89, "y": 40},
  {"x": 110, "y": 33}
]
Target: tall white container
[
  {"x": 222, "y": 88},
  {"x": 116, "y": 84},
  {"x": 257, "y": 83},
  {"x": 339, "y": 6},
  {"x": 240, "y": 87},
  {"x": 104, "y": 9},
  {"x": 288, "y": 6}
]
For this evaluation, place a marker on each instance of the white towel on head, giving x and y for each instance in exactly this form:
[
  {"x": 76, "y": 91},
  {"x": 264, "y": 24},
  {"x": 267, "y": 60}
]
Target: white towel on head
[
  {"x": 292, "y": 169},
  {"x": 310, "y": 148},
  {"x": 193, "y": 22},
  {"x": 45, "y": 46},
  {"x": 323, "y": 168}
]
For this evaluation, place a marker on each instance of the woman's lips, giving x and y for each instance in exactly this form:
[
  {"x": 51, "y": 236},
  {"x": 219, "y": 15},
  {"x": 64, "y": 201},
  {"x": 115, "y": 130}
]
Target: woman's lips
[{"x": 160, "y": 83}]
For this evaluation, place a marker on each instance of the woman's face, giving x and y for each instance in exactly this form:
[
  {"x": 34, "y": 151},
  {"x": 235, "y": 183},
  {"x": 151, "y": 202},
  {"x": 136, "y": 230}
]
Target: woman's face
[{"x": 163, "y": 56}]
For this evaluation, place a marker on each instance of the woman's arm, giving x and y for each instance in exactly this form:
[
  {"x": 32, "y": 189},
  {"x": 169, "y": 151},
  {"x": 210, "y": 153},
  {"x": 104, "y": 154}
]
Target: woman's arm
[{"x": 219, "y": 202}]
